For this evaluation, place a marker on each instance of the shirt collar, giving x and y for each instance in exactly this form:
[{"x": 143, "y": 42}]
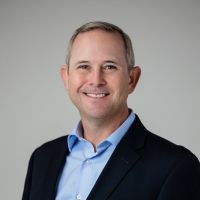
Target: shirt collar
[
  {"x": 114, "y": 138},
  {"x": 74, "y": 136},
  {"x": 117, "y": 135}
]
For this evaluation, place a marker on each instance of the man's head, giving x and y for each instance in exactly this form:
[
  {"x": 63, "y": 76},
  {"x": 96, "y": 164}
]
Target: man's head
[
  {"x": 107, "y": 27},
  {"x": 100, "y": 73}
]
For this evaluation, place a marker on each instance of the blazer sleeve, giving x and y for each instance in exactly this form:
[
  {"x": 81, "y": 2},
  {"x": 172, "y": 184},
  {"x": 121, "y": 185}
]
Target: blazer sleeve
[
  {"x": 28, "y": 180},
  {"x": 183, "y": 182}
]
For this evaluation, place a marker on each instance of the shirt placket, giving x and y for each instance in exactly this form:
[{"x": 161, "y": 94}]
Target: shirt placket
[{"x": 85, "y": 170}]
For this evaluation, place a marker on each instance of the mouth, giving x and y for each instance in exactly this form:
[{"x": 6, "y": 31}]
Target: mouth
[{"x": 96, "y": 95}]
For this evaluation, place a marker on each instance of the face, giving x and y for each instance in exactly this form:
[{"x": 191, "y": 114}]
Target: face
[{"x": 97, "y": 78}]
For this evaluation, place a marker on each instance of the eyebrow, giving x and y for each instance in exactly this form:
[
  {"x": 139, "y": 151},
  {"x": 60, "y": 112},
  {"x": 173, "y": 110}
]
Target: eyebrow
[
  {"x": 82, "y": 62},
  {"x": 110, "y": 61},
  {"x": 86, "y": 62}
]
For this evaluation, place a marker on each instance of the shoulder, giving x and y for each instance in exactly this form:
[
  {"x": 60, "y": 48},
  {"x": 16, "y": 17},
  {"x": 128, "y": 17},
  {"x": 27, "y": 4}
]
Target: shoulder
[
  {"x": 169, "y": 156},
  {"x": 52, "y": 147},
  {"x": 164, "y": 147},
  {"x": 157, "y": 146},
  {"x": 156, "y": 150}
]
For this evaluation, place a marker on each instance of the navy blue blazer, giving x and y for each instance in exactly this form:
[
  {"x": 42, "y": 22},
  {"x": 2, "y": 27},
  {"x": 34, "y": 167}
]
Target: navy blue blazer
[{"x": 143, "y": 166}]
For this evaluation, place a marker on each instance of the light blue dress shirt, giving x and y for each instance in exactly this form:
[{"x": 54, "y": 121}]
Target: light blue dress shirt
[{"x": 83, "y": 165}]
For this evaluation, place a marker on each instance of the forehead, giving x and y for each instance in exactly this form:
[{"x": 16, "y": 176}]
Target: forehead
[{"x": 99, "y": 41}]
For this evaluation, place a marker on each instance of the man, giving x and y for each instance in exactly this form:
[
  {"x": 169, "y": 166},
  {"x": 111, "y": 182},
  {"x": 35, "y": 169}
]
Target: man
[{"x": 110, "y": 154}]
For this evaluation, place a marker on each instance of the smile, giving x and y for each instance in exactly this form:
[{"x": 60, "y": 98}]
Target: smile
[{"x": 98, "y": 95}]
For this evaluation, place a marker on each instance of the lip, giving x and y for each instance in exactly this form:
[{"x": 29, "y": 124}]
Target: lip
[
  {"x": 94, "y": 92},
  {"x": 96, "y": 95}
]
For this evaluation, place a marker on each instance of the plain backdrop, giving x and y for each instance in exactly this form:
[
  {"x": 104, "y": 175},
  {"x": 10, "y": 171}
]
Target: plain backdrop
[{"x": 34, "y": 107}]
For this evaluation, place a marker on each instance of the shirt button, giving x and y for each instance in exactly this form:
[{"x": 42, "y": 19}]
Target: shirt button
[{"x": 78, "y": 196}]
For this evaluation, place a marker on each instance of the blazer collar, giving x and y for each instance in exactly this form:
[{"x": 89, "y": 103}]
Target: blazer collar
[{"x": 123, "y": 158}]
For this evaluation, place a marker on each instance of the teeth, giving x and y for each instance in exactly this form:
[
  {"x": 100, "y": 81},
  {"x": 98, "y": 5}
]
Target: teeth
[{"x": 95, "y": 95}]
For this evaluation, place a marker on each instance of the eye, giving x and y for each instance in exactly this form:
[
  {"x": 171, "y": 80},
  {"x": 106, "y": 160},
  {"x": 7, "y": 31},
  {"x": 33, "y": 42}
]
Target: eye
[
  {"x": 110, "y": 67},
  {"x": 83, "y": 67}
]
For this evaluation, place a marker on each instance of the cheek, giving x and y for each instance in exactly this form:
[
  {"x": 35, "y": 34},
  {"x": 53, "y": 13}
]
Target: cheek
[
  {"x": 74, "y": 80},
  {"x": 120, "y": 81},
  {"x": 119, "y": 85}
]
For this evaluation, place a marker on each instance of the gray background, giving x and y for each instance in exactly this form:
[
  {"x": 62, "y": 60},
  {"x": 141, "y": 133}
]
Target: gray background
[{"x": 34, "y": 107}]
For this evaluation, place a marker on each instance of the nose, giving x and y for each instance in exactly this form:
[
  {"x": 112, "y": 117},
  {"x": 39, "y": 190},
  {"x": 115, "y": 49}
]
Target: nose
[{"x": 97, "y": 78}]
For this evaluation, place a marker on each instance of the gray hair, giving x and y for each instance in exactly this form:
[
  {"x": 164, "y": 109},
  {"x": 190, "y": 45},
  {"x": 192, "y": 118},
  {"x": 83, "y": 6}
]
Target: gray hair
[{"x": 107, "y": 27}]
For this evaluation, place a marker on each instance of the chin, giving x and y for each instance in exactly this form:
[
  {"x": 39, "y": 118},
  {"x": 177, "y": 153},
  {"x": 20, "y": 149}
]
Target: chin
[{"x": 96, "y": 115}]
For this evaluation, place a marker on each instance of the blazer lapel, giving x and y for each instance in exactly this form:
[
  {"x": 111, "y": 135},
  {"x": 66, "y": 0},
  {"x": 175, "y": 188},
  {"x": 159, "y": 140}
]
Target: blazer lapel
[
  {"x": 58, "y": 160},
  {"x": 122, "y": 160}
]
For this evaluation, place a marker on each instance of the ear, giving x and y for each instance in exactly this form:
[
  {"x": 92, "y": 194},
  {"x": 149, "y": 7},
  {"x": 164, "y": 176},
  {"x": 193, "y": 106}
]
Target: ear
[
  {"x": 64, "y": 74},
  {"x": 134, "y": 76}
]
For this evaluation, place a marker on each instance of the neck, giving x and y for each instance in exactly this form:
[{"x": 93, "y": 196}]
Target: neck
[{"x": 97, "y": 130}]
